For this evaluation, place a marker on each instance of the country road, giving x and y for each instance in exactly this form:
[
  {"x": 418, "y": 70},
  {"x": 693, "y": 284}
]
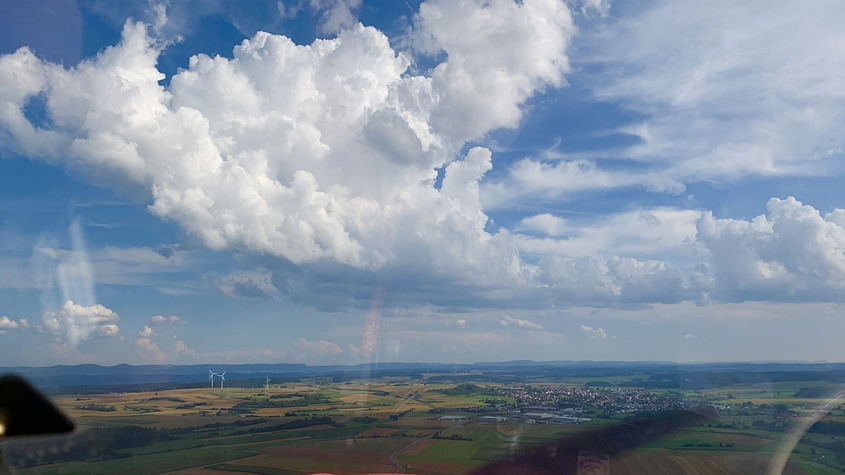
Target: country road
[
  {"x": 394, "y": 457},
  {"x": 414, "y": 398}
]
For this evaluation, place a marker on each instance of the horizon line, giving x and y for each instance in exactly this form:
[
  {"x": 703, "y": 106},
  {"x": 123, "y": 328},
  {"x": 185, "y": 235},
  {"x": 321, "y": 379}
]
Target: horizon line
[{"x": 319, "y": 365}]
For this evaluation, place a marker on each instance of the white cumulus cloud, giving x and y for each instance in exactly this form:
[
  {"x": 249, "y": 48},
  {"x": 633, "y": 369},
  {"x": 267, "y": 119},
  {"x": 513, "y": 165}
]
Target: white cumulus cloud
[
  {"x": 181, "y": 350},
  {"x": 150, "y": 351},
  {"x": 508, "y": 321},
  {"x": 7, "y": 323},
  {"x": 308, "y": 152},
  {"x": 324, "y": 155},
  {"x": 499, "y": 53},
  {"x": 594, "y": 332},
  {"x": 160, "y": 319},
  {"x": 791, "y": 253},
  {"x": 336, "y": 15},
  {"x": 74, "y": 323}
]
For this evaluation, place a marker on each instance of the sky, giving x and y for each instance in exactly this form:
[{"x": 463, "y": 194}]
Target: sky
[{"x": 352, "y": 181}]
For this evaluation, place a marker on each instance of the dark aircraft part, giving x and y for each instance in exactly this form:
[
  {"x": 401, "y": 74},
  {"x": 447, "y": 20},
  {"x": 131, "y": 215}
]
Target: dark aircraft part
[
  {"x": 24, "y": 411},
  {"x": 592, "y": 451}
]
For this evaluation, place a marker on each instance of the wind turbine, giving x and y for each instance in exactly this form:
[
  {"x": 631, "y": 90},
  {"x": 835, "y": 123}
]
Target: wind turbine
[
  {"x": 222, "y": 378},
  {"x": 267, "y": 384},
  {"x": 211, "y": 375}
]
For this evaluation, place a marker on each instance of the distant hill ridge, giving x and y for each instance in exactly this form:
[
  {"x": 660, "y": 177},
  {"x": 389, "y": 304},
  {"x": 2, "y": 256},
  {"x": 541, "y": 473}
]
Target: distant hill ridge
[{"x": 92, "y": 377}]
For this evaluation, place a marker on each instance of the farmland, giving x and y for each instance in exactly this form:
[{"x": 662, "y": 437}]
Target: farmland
[{"x": 435, "y": 424}]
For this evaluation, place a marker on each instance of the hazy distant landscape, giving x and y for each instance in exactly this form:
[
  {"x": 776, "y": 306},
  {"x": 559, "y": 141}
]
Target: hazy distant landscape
[
  {"x": 423, "y": 418},
  {"x": 97, "y": 378}
]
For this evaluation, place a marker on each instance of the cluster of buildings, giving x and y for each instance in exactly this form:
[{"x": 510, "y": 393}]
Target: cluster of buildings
[
  {"x": 564, "y": 404},
  {"x": 576, "y": 399},
  {"x": 524, "y": 417},
  {"x": 536, "y": 418}
]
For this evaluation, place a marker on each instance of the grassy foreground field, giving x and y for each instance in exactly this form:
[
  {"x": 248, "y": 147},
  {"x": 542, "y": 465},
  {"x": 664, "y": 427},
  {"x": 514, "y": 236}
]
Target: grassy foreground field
[{"x": 400, "y": 424}]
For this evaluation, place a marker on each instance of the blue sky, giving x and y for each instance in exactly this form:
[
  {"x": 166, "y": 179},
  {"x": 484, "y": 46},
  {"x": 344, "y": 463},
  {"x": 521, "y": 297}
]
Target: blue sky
[{"x": 339, "y": 181}]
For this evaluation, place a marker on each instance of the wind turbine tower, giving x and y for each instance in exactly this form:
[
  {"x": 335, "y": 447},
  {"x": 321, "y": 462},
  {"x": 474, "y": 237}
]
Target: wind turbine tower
[
  {"x": 267, "y": 384},
  {"x": 222, "y": 378},
  {"x": 211, "y": 375}
]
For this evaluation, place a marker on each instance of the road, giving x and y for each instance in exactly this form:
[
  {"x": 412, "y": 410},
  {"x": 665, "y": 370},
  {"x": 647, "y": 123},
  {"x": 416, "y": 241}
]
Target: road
[
  {"x": 414, "y": 397},
  {"x": 394, "y": 457}
]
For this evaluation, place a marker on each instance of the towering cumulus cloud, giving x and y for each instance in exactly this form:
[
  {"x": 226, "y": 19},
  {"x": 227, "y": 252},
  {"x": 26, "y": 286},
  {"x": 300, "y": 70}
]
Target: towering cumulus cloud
[
  {"x": 792, "y": 253},
  {"x": 310, "y": 152},
  {"x": 323, "y": 153}
]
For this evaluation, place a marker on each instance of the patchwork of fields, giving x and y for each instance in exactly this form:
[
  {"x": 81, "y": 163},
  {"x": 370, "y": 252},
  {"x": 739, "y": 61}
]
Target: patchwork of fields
[{"x": 397, "y": 425}]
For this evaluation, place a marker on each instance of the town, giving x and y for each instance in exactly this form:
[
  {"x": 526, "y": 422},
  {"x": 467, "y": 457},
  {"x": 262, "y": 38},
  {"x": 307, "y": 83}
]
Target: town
[
  {"x": 564, "y": 404},
  {"x": 571, "y": 398}
]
